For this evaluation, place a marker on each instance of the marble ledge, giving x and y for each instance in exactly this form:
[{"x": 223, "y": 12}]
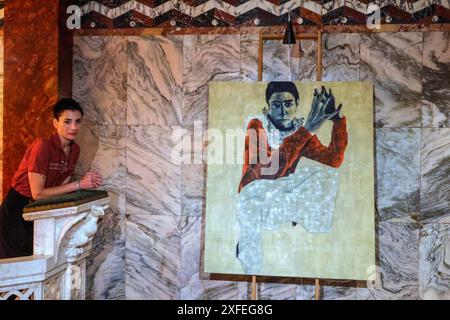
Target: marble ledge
[
  {"x": 64, "y": 212},
  {"x": 262, "y": 30}
]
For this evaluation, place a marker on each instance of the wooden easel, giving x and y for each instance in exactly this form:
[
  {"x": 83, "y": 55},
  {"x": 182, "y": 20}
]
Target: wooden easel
[{"x": 317, "y": 37}]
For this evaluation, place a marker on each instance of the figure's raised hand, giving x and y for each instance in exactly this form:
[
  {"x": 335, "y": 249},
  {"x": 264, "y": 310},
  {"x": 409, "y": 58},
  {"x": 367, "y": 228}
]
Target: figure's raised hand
[
  {"x": 322, "y": 108},
  {"x": 330, "y": 109}
]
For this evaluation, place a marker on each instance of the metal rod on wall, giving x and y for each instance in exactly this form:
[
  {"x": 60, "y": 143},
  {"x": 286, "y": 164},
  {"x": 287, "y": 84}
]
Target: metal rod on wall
[
  {"x": 289, "y": 59},
  {"x": 318, "y": 78},
  {"x": 319, "y": 56}
]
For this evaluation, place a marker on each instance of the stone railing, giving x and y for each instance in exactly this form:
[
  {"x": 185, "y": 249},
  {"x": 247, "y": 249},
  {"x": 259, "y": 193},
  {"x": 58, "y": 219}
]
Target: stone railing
[{"x": 63, "y": 233}]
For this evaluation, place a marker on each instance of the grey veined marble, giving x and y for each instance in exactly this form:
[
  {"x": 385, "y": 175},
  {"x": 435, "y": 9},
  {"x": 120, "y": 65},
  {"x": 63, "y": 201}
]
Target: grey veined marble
[
  {"x": 393, "y": 62},
  {"x": 154, "y": 180},
  {"x": 103, "y": 148},
  {"x": 275, "y": 64},
  {"x": 193, "y": 174},
  {"x": 398, "y": 254},
  {"x": 434, "y": 277},
  {"x": 152, "y": 257},
  {"x": 282, "y": 290},
  {"x": 106, "y": 263},
  {"x": 249, "y": 57},
  {"x": 328, "y": 290},
  {"x": 206, "y": 58},
  {"x": 195, "y": 284},
  {"x": 193, "y": 189},
  {"x": 307, "y": 55},
  {"x": 100, "y": 78},
  {"x": 341, "y": 56},
  {"x": 398, "y": 172},
  {"x": 436, "y": 79},
  {"x": 435, "y": 170},
  {"x": 155, "y": 71}
]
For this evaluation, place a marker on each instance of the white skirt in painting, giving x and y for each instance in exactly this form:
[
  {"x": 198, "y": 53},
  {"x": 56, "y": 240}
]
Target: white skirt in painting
[{"x": 306, "y": 197}]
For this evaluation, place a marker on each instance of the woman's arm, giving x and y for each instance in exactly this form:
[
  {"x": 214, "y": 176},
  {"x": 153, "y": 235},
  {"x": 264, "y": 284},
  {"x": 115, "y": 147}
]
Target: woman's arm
[
  {"x": 38, "y": 190},
  {"x": 90, "y": 180}
]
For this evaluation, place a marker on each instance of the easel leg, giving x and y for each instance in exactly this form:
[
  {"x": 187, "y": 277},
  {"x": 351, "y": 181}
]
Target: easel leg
[
  {"x": 317, "y": 291},
  {"x": 254, "y": 295}
]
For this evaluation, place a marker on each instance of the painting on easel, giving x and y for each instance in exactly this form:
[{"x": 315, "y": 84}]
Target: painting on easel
[{"x": 290, "y": 193}]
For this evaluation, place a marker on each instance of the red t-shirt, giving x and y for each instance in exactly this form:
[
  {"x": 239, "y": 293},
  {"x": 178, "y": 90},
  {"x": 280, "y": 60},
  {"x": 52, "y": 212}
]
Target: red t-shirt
[
  {"x": 299, "y": 144},
  {"x": 47, "y": 157}
]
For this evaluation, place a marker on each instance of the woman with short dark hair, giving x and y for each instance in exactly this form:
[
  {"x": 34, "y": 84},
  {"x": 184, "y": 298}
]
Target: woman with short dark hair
[{"x": 44, "y": 172}]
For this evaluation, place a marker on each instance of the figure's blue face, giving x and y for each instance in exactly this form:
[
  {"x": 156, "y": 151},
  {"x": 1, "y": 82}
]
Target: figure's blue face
[{"x": 282, "y": 109}]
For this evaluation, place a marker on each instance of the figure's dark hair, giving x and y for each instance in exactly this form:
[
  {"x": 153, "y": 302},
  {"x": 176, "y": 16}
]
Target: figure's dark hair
[
  {"x": 66, "y": 104},
  {"x": 281, "y": 86}
]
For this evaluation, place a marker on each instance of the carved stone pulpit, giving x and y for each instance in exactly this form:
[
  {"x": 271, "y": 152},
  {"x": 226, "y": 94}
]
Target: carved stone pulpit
[{"x": 63, "y": 231}]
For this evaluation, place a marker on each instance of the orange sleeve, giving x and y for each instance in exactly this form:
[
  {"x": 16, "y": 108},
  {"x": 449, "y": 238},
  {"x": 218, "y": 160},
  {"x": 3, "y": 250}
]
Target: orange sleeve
[
  {"x": 333, "y": 154},
  {"x": 250, "y": 168},
  {"x": 255, "y": 133}
]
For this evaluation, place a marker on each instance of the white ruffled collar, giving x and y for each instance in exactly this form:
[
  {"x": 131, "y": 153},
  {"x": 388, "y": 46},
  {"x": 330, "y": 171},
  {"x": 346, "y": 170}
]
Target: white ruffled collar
[{"x": 276, "y": 137}]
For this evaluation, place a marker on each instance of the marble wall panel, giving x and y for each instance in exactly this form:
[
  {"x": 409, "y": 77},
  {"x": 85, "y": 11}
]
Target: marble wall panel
[
  {"x": 249, "y": 57},
  {"x": 275, "y": 64},
  {"x": 206, "y": 58},
  {"x": 398, "y": 256},
  {"x": 393, "y": 62},
  {"x": 339, "y": 292},
  {"x": 329, "y": 290},
  {"x": 436, "y": 79},
  {"x": 193, "y": 173},
  {"x": 307, "y": 56},
  {"x": 100, "y": 78},
  {"x": 196, "y": 284},
  {"x": 341, "y": 56},
  {"x": 154, "y": 91},
  {"x": 434, "y": 277},
  {"x": 275, "y": 60},
  {"x": 106, "y": 263},
  {"x": 435, "y": 171},
  {"x": 398, "y": 172},
  {"x": 193, "y": 187},
  {"x": 277, "y": 291},
  {"x": 164, "y": 250},
  {"x": 153, "y": 180},
  {"x": 104, "y": 148},
  {"x": 152, "y": 257}
]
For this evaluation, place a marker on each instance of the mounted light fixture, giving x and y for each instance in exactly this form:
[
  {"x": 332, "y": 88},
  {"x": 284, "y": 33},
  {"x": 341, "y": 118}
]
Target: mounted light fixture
[
  {"x": 289, "y": 39},
  {"x": 289, "y": 34}
]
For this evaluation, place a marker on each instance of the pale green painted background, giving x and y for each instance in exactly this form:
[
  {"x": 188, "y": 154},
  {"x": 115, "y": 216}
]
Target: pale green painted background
[{"x": 344, "y": 253}]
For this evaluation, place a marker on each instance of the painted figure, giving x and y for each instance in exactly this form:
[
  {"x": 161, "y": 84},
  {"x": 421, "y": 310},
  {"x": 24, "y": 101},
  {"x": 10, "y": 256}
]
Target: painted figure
[{"x": 272, "y": 191}]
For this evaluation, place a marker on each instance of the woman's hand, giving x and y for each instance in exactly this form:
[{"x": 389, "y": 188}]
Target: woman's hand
[{"x": 91, "y": 180}]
